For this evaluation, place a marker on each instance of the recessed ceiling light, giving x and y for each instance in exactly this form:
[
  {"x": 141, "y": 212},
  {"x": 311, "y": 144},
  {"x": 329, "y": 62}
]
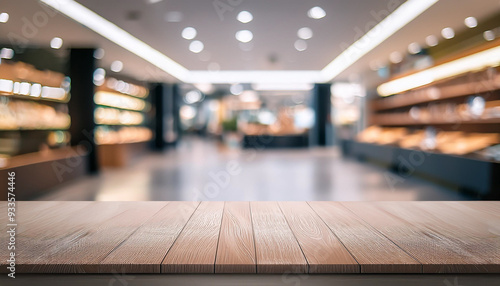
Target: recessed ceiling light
[
  {"x": 300, "y": 45},
  {"x": 99, "y": 53},
  {"x": 174, "y": 16},
  {"x": 470, "y": 22},
  {"x": 196, "y": 46},
  {"x": 122, "y": 38},
  {"x": 4, "y": 17},
  {"x": 431, "y": 40},
  {"x": 6, "y": 53},
  {"x": 448, "y": 33},
  {"x": 414, "y": 48},
  {"x": 56, "y": 43},
  {"x": 489, "y": 35},
  {"x": 193, "y": 96},
  {"x": 236, "y": 89},
  {"x": 305, "y": 33},
  {"x": 189, "y": 33},
  {"x": 244, "y": 17},
  {"x": 396, "y": 57},
  {"x": 399, "y": 18},
  {"x": 99, "y": 76},
  {"x": 244, "y": 36},
  {"x": 316, "y": 13},
  {"x": 116, "y": 66}
]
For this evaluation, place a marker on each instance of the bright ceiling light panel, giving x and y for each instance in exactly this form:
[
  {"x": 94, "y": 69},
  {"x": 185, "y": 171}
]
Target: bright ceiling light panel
[
  {"x": 244, "y": 17},
  {"x": 408, "y": 11},
  {"x": 305, "y": 33},
  {"x": 448, "y": 33},
  {"x": 244, "y": 36},
  {"x": 189, "y": 33},
  {"x": 316, "y": 13},
  {"x": 4, "y": 17},
  {"x": 56, "y": 43},
  {"x": 256, "y": 76},
  {"x": 470, "y": 22},
  {"x": 278, "y": 86},
  {"x": 403, "y": 15},
  {"x": 196, "y": 46},
  {"x": 478, "y": 61},
  {"x": 118, "y": 36}
]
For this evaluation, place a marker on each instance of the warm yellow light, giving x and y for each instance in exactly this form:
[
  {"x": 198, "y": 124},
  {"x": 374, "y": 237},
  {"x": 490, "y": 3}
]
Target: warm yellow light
[
  {"x": 478, "y": 61},
  {"x": 119, "y": 101}
]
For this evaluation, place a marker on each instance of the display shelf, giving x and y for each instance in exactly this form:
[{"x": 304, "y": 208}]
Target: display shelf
[
  {"x": 120, "y": 116},
  {"x": 465, "y": 173},
  {"x": 47, "y": 168},
  {"x": 462, "y": 86},
  {"x": 33, "y": 104},
  {"x": 467, "y": 102},
  {"x": 405, "y": 119}
]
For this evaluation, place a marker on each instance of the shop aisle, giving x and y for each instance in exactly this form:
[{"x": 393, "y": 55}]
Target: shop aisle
[{"x": 200, "y": 169}]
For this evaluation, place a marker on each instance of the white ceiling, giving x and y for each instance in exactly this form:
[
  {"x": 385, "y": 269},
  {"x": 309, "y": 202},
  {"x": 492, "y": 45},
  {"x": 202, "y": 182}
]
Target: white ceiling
[{"x": 274, "y": 26}]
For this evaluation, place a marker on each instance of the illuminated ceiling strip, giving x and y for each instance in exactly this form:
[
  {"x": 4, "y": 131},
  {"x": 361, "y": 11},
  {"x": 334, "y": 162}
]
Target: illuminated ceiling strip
[
  {"x": 478, "y": 61},
  {"x": 403, "y": 15},
  {"x": 110, "y": 31},
  {"x": 387, "y": 27},
  {"x": 274, "y": 77}
]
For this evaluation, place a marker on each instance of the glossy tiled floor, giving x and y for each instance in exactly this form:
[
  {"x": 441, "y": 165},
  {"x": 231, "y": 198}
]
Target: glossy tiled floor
[{"x": 202, "y": 170}]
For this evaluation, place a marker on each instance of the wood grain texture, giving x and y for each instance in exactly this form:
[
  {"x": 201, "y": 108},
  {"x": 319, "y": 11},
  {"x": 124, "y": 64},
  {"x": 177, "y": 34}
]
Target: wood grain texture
[
  {"x": 79, "y": 243},
  {"x": 277, "y": 249},
  {"x": 322, "y": 249},
  {"x": 195, "y": 249},
  {"x": 187, "y": 237},
  {"x": 373, "y": 251},
  {"x": 146, "y": 248},
  {"x": 442, "y": 239},
  {"x": 236, "y": 249}
]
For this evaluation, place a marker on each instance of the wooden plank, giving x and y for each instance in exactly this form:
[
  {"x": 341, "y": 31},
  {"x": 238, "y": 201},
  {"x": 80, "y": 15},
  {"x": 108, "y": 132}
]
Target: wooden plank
[
  {"x": 475, "y": 234},
  {"x": 236, "y": 249},
  {"x": 33, "y": 216},
  {"x": 277, "y": 250},
  {"x": 195, "y": 249},
  {"x": 146, "y": 248},
  {"x": 373, "y": 251},
  {"x": 440, "y": 246},
  {"x": 83, "y": 240},
  {"x": 323, "y": 250}
]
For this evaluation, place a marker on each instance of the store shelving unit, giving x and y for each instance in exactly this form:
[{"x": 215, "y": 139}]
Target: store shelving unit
[
  {"x": 34, "y": 123},
  {"x": 121, "y": 121},
  {"x": 441, "y": 123}
]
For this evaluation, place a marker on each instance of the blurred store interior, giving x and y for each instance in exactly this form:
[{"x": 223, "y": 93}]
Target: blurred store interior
[{"x": 245, "y": 100}]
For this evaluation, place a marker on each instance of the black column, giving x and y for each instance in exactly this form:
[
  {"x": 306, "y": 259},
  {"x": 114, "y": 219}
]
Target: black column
[
  {"x": 176, "y": 106},
  {"x": 322, "y": 107},
  {"x": 167, "y": 121},
  {"x": 157, "y": 93},
  {"x": 81, "y": 106}
]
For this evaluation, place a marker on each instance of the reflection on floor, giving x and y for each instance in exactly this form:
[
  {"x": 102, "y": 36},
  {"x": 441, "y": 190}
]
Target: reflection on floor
[{"x": 202, "y": 170}]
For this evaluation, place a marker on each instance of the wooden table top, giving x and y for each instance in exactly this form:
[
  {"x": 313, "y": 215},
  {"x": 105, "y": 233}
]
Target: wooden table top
[{"x": 254, "y": 237}]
